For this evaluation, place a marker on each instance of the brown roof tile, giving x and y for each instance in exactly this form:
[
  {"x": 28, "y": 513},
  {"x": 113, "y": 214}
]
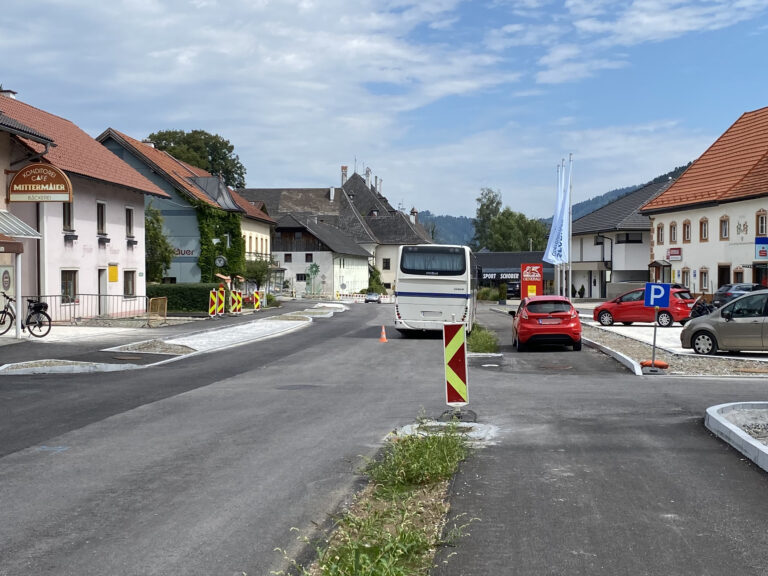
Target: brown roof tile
[
  {"x": 734, "y": 167},
  {"x": 75, "y": 151},
  {"x": 251, "y": 209},
  {"x": 178, "y": 171}
]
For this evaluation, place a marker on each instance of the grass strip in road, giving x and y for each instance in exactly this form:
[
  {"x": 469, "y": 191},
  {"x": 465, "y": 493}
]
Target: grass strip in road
[
  {"x": 482, "y": 340},
  {"x": 396, "y": 524}
]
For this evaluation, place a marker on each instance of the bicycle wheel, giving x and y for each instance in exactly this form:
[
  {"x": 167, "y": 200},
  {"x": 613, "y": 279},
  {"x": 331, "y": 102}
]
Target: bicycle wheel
[
  {"x": 38, "y": 324},
  {"x": 6, "y": 321}
]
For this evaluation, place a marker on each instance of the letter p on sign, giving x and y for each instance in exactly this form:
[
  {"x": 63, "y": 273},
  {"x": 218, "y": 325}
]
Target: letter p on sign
[{"x": 657, "y": 294}]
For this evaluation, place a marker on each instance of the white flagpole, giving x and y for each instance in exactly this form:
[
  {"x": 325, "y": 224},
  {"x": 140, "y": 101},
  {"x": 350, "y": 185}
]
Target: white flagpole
[{"x": 570, "y": 214}]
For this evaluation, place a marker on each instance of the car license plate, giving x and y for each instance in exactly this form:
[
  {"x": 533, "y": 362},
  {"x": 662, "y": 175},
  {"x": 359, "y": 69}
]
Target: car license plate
[{"x": 549, "y": 321}]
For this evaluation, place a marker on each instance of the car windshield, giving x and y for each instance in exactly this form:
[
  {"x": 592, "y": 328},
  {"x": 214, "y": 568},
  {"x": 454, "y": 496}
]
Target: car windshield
[
  {"x": 725, "y": 288},
  {"x": 548, "y": 307}
]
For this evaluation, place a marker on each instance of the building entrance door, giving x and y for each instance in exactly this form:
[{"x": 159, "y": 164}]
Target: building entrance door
[{"x": 723, "y": 274}]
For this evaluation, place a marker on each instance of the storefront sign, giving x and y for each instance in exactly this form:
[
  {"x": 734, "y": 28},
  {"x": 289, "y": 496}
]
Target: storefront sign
[
  {"x": 533, "y": 280},
  {"x": 40, "y": 183},
  {"x": 761, "y": 249},
  {"x": 675, "y": 254}
]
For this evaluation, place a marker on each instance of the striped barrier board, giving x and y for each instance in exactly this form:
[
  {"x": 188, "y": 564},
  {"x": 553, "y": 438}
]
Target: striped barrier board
[{"x": 456, "y": 377}]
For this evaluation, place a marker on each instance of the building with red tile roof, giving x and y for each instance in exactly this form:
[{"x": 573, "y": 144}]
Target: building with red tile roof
[
  {"x": 192, "y": 193},
  {"x": 709, "y": 227},
  {"x": 90, "y": 253}
]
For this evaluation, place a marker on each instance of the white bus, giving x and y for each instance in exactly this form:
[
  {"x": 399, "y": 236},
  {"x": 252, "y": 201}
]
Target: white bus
[{"x": 435, "y": 284}]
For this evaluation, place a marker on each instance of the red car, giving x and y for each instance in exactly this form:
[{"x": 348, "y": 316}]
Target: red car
[
  {"x": 630, "y": 307},
  {"x": 546, "y": 320}
]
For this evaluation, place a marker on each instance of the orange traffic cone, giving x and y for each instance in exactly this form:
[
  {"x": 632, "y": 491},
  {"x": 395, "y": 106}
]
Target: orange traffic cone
[{"x": 383, "y": 334}]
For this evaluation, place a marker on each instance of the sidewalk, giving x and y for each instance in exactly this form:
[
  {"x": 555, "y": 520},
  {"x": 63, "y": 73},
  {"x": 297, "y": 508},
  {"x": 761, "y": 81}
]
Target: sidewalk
[{"x": 102, "y": 349}]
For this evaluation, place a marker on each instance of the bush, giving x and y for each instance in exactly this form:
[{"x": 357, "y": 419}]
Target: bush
[
  {"x": 184, "y": 297},
  {"x": 488, "y": 293},
  {"x": 482, "y": 340}
]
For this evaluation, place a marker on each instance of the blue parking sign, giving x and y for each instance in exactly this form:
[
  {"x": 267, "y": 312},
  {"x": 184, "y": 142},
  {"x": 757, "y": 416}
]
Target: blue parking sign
[{"x": 657, "y": 294}]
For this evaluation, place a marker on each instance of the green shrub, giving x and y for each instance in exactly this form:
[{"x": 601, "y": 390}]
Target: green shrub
[
  {"x": 488, "y": 293},
  {"x": 184, "y": 297},
  {"x": 482, "y": 340}
]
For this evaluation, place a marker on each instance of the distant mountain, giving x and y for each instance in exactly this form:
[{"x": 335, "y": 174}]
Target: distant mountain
[
  {"x": 460, "y": 229},
  {"x": 448, "y": 229}
]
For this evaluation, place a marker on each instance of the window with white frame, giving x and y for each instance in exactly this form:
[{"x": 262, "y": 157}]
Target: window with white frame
[
  {"x": 760, "y": 222},
  {"x": 660, "y": 234},
  {"x": 68, "y": 286},
  {"x": 673, "y": 233},
  {"x": 686, "y": 277},
  {"x": 686, "y": 231},
  {"x": 724, "y": 228},
  {"x": 703, "y": 279},
  {"x": 703, "y": 230},
  {"x": 129, "y": 283}
]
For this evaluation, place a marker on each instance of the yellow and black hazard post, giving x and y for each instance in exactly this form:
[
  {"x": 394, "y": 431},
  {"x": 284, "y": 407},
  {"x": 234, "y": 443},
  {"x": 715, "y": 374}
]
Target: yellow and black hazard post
[
  {"x": 256, "y": 301},
  {"x": 213, "y": 303},
  {"x": 221, "y": 300},
  {"x": 456, "y": 377}
]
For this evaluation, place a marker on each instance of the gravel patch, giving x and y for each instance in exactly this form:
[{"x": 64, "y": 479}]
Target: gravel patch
[{"x": 679, "y": 364}]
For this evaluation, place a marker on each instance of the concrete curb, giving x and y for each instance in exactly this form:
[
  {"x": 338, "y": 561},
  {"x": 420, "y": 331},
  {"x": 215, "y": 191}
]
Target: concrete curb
[
  {"x": 636, "y": 369},
  {"x": 716, "y": 421}
]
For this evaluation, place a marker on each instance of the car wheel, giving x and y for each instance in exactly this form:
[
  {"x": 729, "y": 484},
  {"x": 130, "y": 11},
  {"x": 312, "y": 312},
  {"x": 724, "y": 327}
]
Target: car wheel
[
  {"x": 704, "y": 343},
  {"x": 577, "y": 346},
  {"x": 627, "y": 323},
  {"x": 664, "y": 319},
  {"x": 519, "y": 345},
  {"x": 605, "y": 318}
]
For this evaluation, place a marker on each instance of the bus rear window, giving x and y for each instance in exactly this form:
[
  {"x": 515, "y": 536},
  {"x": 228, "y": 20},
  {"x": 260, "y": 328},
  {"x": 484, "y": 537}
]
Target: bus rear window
[{"x": 433, "y": 261}]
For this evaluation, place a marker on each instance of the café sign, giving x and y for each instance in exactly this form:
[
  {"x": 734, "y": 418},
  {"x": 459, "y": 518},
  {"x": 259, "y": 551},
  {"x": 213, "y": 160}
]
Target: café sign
[{"x": 40, "y": 183}]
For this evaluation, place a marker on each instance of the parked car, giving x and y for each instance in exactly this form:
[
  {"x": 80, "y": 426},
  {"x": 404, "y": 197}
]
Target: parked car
[
  {"x": 728, "y": 292},
  {"x": 741, "y": 324},
  {"x": 513, "y": 290},
  {"x": 373, "y": 297},
  {"x": 630, "y": 307},
  {"x": 546, "y": 320}
]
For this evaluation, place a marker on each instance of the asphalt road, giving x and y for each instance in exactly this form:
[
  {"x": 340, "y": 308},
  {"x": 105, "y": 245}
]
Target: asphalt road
[{"x": 203, "y": 466}]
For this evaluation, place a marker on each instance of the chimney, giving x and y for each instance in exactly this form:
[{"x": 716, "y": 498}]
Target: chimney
[
  {"x": 8, "y": 93},
  {"x": 332, "y": 192},
  {"x": 414, "y": 216},
  {"x": 376, "y": 182},
  {"x": 380, "y": 185},
  {"x": 368, "y": 177},
  {"x": 343, "y": 175},
  {"x": 148, "y": 143}
]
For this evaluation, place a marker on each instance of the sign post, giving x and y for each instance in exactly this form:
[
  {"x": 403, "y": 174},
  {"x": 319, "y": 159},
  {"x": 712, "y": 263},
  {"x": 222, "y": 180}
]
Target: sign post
[{"x": 656, "y": 296}]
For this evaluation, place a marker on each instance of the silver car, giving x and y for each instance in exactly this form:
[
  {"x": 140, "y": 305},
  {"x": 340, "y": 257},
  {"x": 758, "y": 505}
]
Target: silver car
[{"x": 741, "y": 324}]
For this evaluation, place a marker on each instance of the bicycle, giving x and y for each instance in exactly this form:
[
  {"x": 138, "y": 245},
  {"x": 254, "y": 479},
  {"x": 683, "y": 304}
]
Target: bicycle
[{"x": 37, "y": 321}]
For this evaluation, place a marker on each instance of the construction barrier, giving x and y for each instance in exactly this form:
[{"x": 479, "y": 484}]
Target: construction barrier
[
  {"x": 236, "y": 302},
  {"x": 221, "y": 300},
  {"x": 256, "y": 301},
  {"x": 456, "y": 377},
  {"x": 157, "y": 311},
  {"x": 213, "y": 303}
]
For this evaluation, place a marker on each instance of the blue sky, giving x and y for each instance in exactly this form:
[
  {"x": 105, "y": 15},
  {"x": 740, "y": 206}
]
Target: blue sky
[{"x": 438, "y": 97}]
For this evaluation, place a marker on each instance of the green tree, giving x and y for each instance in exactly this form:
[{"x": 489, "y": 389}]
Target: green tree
[
  {"x": 374, "y": 280},
  {"x": 257, "y": 271},
  {"x": 488, "y": 208},
  {"x": 312, "y": 271},
  {"x": 159, "y": 250},
  {"x": 512, "y": 232},
  {"x": 208, "y": 151}
]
